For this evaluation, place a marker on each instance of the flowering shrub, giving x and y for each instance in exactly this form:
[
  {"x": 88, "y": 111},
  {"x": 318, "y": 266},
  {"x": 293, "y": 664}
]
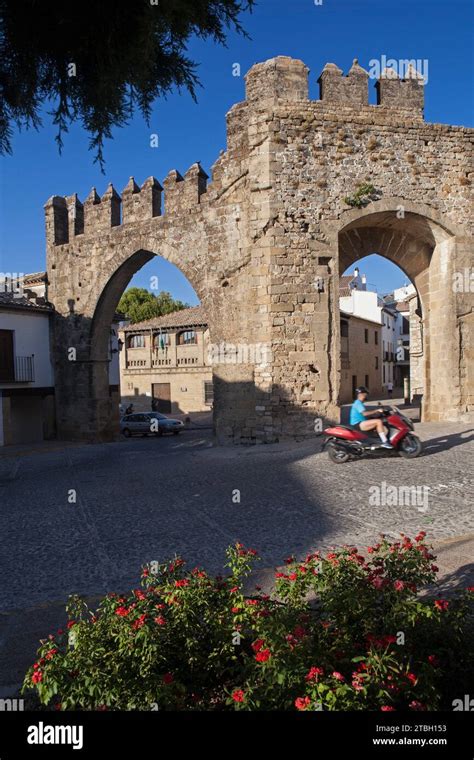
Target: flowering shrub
[{"x": 341, "y": 632}]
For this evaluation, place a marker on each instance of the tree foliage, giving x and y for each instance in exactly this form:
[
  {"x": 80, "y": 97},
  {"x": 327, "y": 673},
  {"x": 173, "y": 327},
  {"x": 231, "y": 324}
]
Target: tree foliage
[
  {"x": 98, "y": 62},
  {"x": 139, "y": 304}
]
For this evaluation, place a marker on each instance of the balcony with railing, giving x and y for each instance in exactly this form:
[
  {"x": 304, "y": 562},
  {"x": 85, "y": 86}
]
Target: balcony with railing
[
  {"x": 24, "y": 369},
  {"x": 19, "y": 369}
]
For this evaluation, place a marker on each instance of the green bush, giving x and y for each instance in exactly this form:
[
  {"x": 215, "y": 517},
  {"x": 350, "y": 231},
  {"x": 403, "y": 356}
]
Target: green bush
[{"x": 341, "y": 632}]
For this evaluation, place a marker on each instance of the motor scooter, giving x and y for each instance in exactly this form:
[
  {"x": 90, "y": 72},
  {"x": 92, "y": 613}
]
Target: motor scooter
[{"x": 345, "y": 442}]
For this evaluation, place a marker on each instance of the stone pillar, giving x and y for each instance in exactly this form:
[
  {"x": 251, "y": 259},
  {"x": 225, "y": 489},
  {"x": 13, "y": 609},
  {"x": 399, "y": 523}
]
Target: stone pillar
[
  {"x": 442, "y": 362},
  {"x": 416, "y": 352}
]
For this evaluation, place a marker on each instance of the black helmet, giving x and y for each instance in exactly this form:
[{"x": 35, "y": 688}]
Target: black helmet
[{"x": 361, "y": 389}]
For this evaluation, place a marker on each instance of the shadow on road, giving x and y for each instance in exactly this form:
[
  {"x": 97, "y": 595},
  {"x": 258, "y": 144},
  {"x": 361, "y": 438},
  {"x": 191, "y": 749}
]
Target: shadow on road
[{"x": 446, "y": 442}]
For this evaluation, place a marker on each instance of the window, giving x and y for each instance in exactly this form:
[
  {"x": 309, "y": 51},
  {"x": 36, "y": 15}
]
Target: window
[
  {"x": 136, "y": 341},
  {"x": 366, "y": 381},
  {"x": 187, "y": 338},
  {"x": 384, "y": 372},
  {"x": 376, "y": 362},
  {"x": 7, "y": 363},
  {"x": 376, "y": 338},
  {"x": 208, "y": 392},
  {"x": 366, "y": 335},
  {"x": 344, "y": 329},
  {"x": 161, "y": 340}
]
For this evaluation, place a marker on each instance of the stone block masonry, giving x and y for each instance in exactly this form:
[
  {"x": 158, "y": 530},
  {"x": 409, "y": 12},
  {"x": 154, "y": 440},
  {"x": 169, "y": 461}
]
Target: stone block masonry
[{"x": 264, "y": 243}]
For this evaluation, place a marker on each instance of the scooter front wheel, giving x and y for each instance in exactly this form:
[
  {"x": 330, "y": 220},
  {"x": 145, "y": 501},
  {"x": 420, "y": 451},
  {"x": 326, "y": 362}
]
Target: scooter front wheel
[
  {"x": 337, "y": 454},
  {"x": 410, "y": 447}
]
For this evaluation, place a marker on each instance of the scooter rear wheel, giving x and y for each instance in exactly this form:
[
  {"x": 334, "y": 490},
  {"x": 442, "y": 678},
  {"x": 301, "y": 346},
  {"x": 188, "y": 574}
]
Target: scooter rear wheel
[
  {"x": 410, "y": 447},
  {"x": 337, "y": 454}
]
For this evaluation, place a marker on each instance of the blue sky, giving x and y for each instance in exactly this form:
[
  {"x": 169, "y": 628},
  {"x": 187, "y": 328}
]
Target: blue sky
[{"x": 337, "y": 31}]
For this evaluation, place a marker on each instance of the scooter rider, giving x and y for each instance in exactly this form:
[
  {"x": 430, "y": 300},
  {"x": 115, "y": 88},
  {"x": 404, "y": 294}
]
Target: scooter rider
[{"x": 359, "y": 415}]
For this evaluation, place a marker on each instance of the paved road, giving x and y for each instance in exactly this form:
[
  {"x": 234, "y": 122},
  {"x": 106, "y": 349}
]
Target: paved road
[{"x": 145, "y": 499}]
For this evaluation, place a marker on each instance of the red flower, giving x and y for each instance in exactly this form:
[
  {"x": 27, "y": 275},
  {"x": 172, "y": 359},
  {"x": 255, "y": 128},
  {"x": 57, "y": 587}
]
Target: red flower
[
  {"x": 441, "y": 604},
  {"x": 302, "y": 703},
  {"x": 181, "y": 583},
  {"x": 433, "y": 660},
  {"x": 299, "y": 632},
  {"x": 338, "y": 676},
  {"x": 121, "y": 611},
  {"x": 387, "y": 708},
  {"x": 145, "y": 573},
  {"x": 289, "y": 560},
  {"x": 415, "y": 705},
  {"x": 263, "y": 655},
  {"x": 257, "y": 645},
  {"x": 434, "y": 568},
  {"x": 398, "y": 585},
  {"x": 251, "y": 602},
  {"x": 293, "y": 576},
  {"x": 280, "y": 575},
  {"x": 71, "y": 623},
  {"x": 168, "y": 678},
  {"x": 412, "y": 678},
  {"x": 139, "y": 623},
  {"x": 160, "y": 620},
  {"x": 235, "y": 610},
  {"x": 470, "y": 588},
  {"x": 420, "y": 536},
  {"x": 138, "y": 593},
  {"x": 51, "y": 654},
  {"x": 37, "y": 676},
  {"x": 233, "y": 589},
  {"x": 238, "y": 695},
  {"x": 313, "y": 674}
]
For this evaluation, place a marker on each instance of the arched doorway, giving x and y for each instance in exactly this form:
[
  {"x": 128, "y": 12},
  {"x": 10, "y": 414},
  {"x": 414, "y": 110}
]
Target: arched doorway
[
  {"x": 424, "y": 249},
  {"x": 179, "y": 371},
  {"x": 381, "y": 332}
]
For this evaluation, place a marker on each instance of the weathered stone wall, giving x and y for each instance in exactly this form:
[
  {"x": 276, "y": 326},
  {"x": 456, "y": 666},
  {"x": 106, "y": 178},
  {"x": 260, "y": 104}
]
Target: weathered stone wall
[
  {"x": 417, "y": 370},
  {"x": 264, "y": 244}
]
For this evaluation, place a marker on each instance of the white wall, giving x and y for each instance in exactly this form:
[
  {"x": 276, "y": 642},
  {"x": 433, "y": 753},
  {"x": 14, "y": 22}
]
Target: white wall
[
  {"x": 31, "y": 336},
  {"x": 362, "y": 303},
  {"x": 400, "y": 294}
]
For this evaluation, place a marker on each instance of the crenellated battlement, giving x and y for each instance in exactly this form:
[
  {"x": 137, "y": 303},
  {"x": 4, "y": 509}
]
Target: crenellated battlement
[
  {"x": 396, "y": 92},
  {"x": 284, "y": 79},
  {"x": 352, "y": 89},
  {"x": 67, "y": 217}
]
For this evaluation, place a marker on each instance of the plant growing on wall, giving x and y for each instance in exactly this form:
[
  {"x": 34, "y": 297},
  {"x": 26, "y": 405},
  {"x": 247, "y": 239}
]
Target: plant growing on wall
[{"x": 362, "y": 196}]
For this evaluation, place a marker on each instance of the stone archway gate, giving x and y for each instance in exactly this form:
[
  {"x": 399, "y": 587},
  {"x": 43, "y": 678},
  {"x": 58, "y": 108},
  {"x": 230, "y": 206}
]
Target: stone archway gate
[{"x": 264, "y": 244}]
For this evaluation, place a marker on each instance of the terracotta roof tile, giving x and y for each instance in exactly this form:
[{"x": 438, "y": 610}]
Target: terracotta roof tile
[
  {"x": 13, "y": 301},
  {"x": 183, "y": 318}
]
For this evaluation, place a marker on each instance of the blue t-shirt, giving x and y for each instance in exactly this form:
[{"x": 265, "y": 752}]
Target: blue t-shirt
[{"x": 357, "y": 410}]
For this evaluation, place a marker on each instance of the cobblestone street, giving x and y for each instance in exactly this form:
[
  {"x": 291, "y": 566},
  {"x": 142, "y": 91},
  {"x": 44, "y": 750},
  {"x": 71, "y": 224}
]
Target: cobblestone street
[{"x": 145, "y": 499}]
